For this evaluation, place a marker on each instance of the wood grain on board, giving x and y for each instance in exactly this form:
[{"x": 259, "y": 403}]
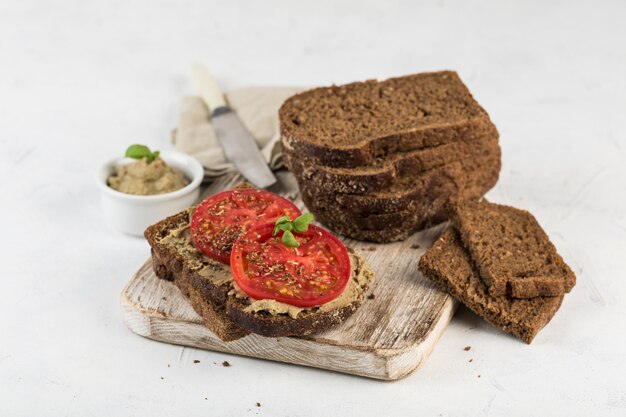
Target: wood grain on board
[{"x": 388, "y": 337}]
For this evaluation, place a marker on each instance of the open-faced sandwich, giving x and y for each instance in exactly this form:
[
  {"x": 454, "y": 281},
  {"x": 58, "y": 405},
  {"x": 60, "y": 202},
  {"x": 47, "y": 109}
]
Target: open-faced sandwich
[{"x": 250, "y": 261}]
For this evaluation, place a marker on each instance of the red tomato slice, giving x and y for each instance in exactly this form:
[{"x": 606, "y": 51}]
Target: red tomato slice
[
  {"x": 310, "y": 275},
  {"x": 219, "y": 220}
]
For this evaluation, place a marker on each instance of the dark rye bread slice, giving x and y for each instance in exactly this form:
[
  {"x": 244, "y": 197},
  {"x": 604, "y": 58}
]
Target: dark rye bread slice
[
  {"x": 354, "y": 124},
  {"x": 471, "y": 177},
  {"x": 181, "y": 266},
  {"x": 224, "y": 308},
  {"x": 409, "y": 225},
  {"x": 213, "y": 316},
  {"x": 511, "y": 250},
  {"x": 449, "y": 265},
  {"x": 387, "y": 173},
  {"x": 428, "y": 205}
]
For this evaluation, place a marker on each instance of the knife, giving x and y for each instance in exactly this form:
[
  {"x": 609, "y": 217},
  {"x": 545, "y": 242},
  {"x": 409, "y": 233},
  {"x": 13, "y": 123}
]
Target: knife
[{"x": 238, "y": 144}]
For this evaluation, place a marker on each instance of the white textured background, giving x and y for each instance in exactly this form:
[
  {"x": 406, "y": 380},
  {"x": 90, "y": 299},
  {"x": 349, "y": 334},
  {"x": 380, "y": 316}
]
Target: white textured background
[{"x": 80, "y": 80}]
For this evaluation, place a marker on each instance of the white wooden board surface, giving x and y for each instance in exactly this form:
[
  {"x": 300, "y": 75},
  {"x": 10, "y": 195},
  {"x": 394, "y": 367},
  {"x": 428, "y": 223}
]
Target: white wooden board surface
[{"x": 390, "y": 336}]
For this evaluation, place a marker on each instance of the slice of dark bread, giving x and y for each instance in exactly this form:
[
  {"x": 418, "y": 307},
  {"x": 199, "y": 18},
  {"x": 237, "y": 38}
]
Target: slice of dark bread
[
  {"x": 449, "y": 265},
  {"x": 467, "y": 177},
  {"x": 418, "y": 220},
  {"x": 228, "y": 312},
  {"x": 381, "y": 217},
  {"x": 386, "y": 227},
  {"x": 182, "y": 266},
  {"x": 354, "y": 124},
  {"x": 511, "y": 250},
  {"x": 386, "y": 174}
]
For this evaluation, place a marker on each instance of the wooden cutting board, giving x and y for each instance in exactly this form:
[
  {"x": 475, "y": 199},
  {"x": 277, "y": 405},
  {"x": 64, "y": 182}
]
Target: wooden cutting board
[{"x": 388, "y": 337}]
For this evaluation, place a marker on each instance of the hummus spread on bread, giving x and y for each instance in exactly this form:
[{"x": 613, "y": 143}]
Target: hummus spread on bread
[{"x": 219, "y": 274}]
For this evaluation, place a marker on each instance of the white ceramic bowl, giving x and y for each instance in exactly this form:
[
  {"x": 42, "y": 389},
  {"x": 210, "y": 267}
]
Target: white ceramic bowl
[{"x": 132, "y": 214}]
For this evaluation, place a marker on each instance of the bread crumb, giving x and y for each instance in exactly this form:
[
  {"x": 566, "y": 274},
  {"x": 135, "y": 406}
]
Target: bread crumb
[
  {"x": 196, "y": 361},
  {"x": 225, "y": 363},
  {"x": 415, "y": 246},
  {"x": 258, "y": 404},
  {"x": 471, "y": 360},
  {"x": 371, "y": 248},
  {"x": 466, "y": 348},
  {"x": 371, "y": 296}
]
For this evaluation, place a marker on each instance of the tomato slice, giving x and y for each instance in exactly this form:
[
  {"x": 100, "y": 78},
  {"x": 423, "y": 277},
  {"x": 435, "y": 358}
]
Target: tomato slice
[
  {"x": 219, "y": 220},
  {"x": 310, "y": 275}
]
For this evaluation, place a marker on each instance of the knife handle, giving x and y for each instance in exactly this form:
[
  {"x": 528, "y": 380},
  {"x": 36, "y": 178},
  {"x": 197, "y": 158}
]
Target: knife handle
[{"x": 207, "y": 87}]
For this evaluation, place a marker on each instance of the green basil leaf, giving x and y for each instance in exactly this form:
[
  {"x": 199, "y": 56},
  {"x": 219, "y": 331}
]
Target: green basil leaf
[
  {"x": 137, "y": 151},
  {"x": 301, "y": 223},
  {"x": 289, "y": 240},
  {"x": 283, "y": 219},
  {"x": 279, "y": 222},
  {"x": 287, "y": 227},
  {"x": 154, "y": 155}
]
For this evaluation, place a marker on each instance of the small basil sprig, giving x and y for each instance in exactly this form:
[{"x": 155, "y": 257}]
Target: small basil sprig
[
  {"x": 141, "y": 151},
  {"x": 299, "y": 225}
]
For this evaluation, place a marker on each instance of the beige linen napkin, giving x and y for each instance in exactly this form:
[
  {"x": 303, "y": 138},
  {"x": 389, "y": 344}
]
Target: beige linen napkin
[{"x": 257, "y": 107}]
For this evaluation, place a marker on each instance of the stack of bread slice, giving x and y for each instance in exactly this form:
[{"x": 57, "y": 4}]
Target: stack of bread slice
[
  {"x": 499, "y": 262},
  {"x": 379, "y": 160}
]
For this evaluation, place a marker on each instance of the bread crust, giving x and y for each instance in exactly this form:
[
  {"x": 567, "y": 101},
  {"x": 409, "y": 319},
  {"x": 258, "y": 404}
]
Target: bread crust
[{"x": 281, "y": 325}]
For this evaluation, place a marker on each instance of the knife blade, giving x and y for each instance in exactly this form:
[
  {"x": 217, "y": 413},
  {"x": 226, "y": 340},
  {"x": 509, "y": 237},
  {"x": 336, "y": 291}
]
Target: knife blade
[{"x": 238, "y": 144}]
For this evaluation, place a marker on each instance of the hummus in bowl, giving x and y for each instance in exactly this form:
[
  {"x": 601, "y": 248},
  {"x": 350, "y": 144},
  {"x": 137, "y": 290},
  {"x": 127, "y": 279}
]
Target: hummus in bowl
[
  {"x": 132, "y": 213},
  {"x": 147, "y": 178}
]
